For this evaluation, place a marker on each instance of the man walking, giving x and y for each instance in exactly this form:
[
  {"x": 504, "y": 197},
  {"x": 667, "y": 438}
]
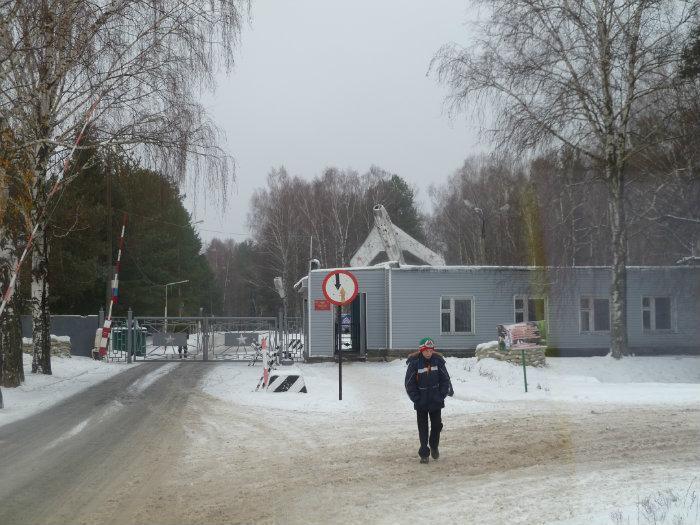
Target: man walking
[{"x": 428, "y": 384}]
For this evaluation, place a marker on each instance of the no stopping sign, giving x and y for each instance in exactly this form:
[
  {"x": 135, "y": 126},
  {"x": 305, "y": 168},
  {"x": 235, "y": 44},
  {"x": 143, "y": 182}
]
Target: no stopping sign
[{"x": 340, "y": 287}]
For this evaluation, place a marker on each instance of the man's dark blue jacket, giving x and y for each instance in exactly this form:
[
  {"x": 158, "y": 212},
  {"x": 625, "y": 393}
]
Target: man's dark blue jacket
[{"x": 427, "y": 381}]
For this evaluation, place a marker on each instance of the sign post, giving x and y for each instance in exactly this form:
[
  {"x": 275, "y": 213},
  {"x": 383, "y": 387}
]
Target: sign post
[{"x": 340, "y": 288}]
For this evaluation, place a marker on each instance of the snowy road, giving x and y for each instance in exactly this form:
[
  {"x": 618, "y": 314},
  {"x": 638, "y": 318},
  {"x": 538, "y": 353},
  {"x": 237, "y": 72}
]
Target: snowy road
[
  {"x": 98, "y": 453},
  {"x": 149, "y": 446},
  {"x": 512, "y": 466}
]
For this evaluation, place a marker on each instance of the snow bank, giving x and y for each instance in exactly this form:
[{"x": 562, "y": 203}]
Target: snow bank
[
  {"x": 631, "y": 380},
  {"x": 479, "y": 386},
  {"x": 39, "y": 391},
  {"x": 57, "y": 338}
]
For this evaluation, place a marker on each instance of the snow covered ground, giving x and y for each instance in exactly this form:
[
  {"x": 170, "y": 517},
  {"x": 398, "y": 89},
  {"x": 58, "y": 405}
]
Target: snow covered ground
[
  {"x": 595, "y": 440},
  {"x": 591, "y": 442},
  {"x": 38, "y": 392},
  {"x": 479, "y": 386}
]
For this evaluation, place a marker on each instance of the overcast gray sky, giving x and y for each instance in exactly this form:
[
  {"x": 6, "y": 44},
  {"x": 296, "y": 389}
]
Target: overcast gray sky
[{"x": 323, "y": 83}]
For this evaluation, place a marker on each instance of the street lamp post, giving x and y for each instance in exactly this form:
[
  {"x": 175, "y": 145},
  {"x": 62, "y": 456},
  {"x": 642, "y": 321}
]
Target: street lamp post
[
  {"x": 165, "y": 316},
  {"x": 480, "y": 213}
]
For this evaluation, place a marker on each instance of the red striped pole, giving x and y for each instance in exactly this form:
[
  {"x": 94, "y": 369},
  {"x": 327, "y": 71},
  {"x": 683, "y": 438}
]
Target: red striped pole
[{"x": 107, "y": 328}]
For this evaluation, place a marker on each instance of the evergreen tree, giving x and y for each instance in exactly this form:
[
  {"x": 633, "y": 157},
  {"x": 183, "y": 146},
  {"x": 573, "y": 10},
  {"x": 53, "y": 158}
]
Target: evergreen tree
[{"x": 161, "y": 245}]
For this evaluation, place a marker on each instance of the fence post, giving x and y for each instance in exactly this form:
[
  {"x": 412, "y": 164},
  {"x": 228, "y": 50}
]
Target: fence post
[
  {"x": 280, "y": 336},
  {"x": 205, "y": 339},
  {"x": 129, "y": 335},
  {"x": 199, "y": 328}
]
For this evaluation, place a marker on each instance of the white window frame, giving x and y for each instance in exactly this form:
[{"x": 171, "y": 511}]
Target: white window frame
[
  {"x": 451, "y": 310},
  {"x": 591, "y": 314},
  {"x": 525, "y": 310},
  {"x": 652, "y": 314}
]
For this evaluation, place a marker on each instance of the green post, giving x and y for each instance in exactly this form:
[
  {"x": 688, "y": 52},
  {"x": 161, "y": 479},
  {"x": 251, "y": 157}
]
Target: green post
[{"x": 522, "y": 356}]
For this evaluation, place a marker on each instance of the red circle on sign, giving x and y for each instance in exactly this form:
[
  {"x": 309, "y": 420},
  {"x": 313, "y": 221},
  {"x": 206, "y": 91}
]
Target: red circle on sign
[{"x": 352, "y": 297}]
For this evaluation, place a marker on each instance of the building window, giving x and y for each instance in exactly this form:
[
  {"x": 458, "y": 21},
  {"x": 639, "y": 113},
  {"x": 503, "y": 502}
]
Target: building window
[
  {"x": 595, "y": 314},
  {"x": 529, "y": 309},
  {"x": 656, "y": 313},
  {"x": 456, "y": 315}
]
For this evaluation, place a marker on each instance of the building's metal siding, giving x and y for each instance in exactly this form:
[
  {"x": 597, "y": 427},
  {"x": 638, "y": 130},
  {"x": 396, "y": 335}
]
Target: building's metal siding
[
  {"x": 565, "y": 288},
  {"x": 416, "y": 305},
  {"x": 371, "y": 282},
  {"x": 683, "y": 286},
  {"x": 416, "y": 296}
]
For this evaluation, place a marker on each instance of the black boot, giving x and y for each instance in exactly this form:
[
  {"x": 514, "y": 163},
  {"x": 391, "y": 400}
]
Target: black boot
[
  {"x": 426, "y": 459},
  {"x": 435, "y": 453}
]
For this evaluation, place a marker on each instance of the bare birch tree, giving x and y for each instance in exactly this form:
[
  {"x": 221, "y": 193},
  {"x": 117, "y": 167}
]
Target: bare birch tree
[
  {"x": 140, "y": 65},
  {"x": 15, "y": 182},
  {"x": 575, "y": 73}
]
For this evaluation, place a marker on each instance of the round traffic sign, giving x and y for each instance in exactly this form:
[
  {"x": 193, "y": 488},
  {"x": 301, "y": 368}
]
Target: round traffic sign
[{"x": 340, "y": 287}]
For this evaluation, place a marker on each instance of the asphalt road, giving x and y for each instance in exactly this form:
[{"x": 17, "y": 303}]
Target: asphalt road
[{"x": 72, "y": 463}]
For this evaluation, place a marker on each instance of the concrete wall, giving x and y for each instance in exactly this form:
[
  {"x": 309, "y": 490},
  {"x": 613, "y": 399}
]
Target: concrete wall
[{"x": 80, "y": 329}]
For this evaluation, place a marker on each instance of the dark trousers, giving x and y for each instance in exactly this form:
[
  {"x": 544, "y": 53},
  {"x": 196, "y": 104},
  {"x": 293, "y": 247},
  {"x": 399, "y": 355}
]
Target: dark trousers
[{"x": 435, "y": 427}]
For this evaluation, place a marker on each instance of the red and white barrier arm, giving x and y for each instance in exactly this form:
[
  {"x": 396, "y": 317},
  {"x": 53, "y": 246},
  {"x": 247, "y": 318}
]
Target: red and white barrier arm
[{"x": 107, "y": 328}]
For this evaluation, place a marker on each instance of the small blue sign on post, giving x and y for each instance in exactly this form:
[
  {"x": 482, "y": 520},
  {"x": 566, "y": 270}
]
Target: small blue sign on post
[{"x": 346, "y": 320}]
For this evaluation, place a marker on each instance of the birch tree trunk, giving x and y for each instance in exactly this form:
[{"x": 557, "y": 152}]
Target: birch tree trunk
[
  {"x": 618, "y": 290},
  {"x": 11, "y": 368},
  {"x": 41, "y": 317}
]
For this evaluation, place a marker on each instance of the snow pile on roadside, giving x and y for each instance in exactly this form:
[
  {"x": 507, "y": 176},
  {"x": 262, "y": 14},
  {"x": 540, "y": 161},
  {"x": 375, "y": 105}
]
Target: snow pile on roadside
[
  {"x": 57, "y": 338},
  {"x": 479, "y": 386},
  {"x": 236, "y": 382},
  {"x": 40, "y": 391},
  {"x": 633, "y": 380}
]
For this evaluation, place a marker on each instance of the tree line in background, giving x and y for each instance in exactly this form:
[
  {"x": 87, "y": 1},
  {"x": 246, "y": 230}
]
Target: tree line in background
[
  {"x": 293, "y": 220},
  {"x": 161, "y": 245},
  {"x": 552, "y": 210},
  {"x": 548, "y": 210}
]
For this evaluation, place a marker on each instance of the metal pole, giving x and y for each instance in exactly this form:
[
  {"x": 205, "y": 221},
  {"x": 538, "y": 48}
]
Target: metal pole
[
  {"x": 522, "y": 358},
  {"x": 205, "y": 339},
  {"x": 280, "y": 343},
  {"x": 286, "y": 327},
  {"x": 199, "y": 327},
  {"x": 165, "y": 314},
  {"x": 339, "y": 342},
  {"x": 129, "y": 335}
]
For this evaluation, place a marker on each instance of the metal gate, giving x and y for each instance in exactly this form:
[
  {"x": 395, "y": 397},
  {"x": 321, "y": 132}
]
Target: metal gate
[
  {"x": 293, "y": 340},
  {"x": 194, "y": 338}
]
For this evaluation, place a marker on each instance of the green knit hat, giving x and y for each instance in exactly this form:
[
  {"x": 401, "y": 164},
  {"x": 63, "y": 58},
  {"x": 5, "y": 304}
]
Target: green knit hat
[{"x": 425, "y": 344}]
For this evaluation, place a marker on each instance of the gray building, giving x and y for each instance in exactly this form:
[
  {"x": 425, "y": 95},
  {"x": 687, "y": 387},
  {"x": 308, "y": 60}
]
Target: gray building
[{"x": 460, "y": 307}]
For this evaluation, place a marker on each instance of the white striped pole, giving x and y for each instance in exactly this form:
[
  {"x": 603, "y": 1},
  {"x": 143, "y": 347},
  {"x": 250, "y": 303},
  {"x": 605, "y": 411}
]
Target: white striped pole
[{"x": 107, "y": 328}]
